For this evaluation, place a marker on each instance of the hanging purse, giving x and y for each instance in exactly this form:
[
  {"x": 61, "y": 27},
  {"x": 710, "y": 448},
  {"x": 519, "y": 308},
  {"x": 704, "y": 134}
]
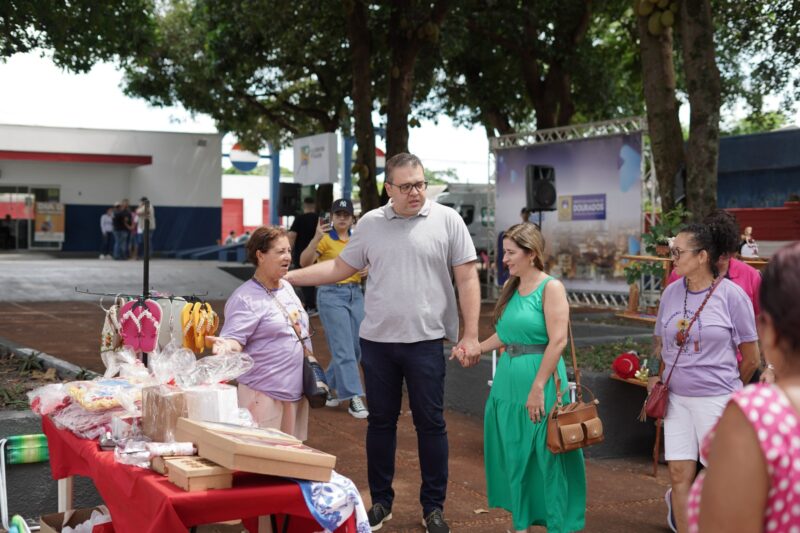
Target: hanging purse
[
  {"x": 576, "y": 424},
  {"x": 314, "y": 387},
  {"x": 655, "y": 405}
]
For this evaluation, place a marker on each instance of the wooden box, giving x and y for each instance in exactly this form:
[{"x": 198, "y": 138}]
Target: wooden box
[
  {"x": 158, "y": 463},
  {"x": 196, "y": 473},
  {"x": 258, "y": 450}
]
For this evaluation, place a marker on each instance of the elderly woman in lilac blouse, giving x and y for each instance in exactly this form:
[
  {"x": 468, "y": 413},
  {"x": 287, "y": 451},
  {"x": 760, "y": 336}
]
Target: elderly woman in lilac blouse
[{"x": 265, "y": 319}]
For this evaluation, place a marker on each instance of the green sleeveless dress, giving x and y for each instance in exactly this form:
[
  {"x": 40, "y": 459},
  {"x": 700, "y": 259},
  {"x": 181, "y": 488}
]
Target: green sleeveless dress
[{"x": 522, "y": 475}]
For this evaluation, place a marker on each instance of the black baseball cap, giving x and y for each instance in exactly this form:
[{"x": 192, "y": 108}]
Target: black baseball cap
[{"x": 342, "y": 204}]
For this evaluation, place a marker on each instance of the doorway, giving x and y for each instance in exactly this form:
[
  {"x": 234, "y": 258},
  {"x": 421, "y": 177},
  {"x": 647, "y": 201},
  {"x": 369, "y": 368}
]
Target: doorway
[{"x": 17, "y": 215}]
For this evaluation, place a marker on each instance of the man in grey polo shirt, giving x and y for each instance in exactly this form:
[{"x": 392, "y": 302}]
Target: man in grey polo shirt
[{"x": 411, "y": 246}]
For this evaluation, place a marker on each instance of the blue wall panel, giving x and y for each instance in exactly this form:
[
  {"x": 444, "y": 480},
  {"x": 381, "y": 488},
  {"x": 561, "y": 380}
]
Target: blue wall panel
[
  {"x": 758, "y": 170},
  {"x": 177, "y": 228},
  {"x": 757, "y": 188}
]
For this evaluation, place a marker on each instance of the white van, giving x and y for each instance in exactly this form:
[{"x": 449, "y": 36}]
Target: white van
[{"x": 472, "y": 203}]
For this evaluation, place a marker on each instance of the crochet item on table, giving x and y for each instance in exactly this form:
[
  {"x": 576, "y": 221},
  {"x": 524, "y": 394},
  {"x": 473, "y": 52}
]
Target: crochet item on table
[{"x": 333, "y": 502}]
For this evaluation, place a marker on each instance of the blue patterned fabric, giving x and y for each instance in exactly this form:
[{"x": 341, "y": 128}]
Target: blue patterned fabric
[{"x": 333, "y": 502}]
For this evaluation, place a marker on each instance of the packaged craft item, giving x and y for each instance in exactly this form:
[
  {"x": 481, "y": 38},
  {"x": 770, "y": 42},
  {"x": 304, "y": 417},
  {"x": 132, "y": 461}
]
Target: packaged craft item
[
  {"x": 85, "y": 424},
  {"x": 174, "y": 360},
  {"x": 98, "y": 395},
  {"x": 216, "y": 369},
  {"x": 215, "y": 403},
  {"x": 126, "y": 426},
  {"x": 162, "y": 406},
  {"x": 48, "y": 398}
]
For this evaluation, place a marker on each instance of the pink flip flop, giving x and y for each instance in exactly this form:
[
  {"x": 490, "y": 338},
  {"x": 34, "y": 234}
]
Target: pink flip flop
[
  {"x": 150, "y": 320},
  {"x": 130, "y": 326}
]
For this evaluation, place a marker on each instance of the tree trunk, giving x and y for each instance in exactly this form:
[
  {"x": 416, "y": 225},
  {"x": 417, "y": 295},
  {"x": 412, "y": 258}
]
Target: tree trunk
[
  {"x": 401, "y": 91},
  {"x": 703, "y": 88},
  {"x": 405, "y": 42},
  {"x": 360, "y": 50},
  {"x": 666, "y": 138}
]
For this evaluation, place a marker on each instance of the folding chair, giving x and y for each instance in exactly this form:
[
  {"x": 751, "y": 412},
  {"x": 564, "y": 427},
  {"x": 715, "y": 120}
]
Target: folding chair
[{"x": 17, "y": 450}]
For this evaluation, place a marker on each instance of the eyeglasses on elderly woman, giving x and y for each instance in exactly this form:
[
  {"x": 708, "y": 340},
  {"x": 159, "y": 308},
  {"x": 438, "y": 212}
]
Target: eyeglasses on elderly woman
[{"x": 676, "y": 252}]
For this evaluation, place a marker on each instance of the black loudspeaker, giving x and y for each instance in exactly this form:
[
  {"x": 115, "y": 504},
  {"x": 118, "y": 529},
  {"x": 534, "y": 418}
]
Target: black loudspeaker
[
  {"x": 290, "y": 199},
  {"x": 540, "y": 188}
]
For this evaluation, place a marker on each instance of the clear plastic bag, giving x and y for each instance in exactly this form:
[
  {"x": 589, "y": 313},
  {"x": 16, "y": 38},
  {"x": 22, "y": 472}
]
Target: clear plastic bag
[
  {"x": 130, "y": 399},
  {"x": 174, "y": 360},
  {"x": 216, "y": 369},
  {"x": 83, "y": 423},
  {"x": 48, "y": 399},
  {"x": 133, "y": 452},
  {"x": 100, "y": 394},
  {"x": 115, "y": 359}
]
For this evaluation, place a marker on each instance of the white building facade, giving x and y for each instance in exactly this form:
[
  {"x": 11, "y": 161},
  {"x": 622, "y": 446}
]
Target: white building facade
[{"x": 86, "y": 171}]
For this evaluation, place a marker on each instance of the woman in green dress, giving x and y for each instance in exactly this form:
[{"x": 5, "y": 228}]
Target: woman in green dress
[{"x": 538, "y": 487}]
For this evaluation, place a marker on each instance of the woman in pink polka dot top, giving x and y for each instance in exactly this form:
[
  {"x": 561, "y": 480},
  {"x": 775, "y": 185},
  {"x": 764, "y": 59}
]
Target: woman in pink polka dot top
[{"x": 752, "y": 482}]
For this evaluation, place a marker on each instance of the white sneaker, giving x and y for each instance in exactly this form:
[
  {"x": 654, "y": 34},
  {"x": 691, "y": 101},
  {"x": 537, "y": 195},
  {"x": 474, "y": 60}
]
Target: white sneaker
[
  {"x": 331, "y": 400},
  {"x": 357, "y": 408},
  {"x": 102, "y": 256}
]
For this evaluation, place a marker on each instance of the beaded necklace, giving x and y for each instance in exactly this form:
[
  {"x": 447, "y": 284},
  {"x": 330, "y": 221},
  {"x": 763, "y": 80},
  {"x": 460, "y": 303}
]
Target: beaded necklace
[{"x": 684, "y": 324}]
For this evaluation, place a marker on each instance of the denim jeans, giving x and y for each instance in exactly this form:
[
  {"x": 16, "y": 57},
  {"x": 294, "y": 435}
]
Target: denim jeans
[
  {"x": 121, "y": 244},
  {"x": 108, "y": 244},
  {"x": 341, "y": 310},
  {"x": 422, "y": 365}
]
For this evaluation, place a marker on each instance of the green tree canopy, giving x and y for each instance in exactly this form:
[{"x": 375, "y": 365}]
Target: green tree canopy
[{"x": 79, "y": 32}]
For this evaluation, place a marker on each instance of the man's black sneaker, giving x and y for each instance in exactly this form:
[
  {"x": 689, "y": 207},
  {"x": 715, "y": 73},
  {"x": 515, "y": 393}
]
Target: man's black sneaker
[
  {"x": 379, "y": 514},
  {"x": 434, "y": 522}
]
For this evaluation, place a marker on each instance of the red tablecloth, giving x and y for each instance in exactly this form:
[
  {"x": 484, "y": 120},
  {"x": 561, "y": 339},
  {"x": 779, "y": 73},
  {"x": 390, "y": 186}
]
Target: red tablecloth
[{"x": 143, "y": 501}]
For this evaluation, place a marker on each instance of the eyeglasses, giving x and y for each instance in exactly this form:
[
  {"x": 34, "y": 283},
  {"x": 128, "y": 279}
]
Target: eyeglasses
[
  {"x": 406, "y": 187},
  {"x": 676, "y": 252}
]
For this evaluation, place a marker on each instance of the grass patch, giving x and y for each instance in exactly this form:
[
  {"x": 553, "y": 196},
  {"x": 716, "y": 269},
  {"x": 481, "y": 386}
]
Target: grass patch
[
  {"x": 20, "y": 373},
  {"x": 601, "y": 356}
]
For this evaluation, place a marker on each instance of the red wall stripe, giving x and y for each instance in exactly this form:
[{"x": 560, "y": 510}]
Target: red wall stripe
[{"x": 62, "y": 157}]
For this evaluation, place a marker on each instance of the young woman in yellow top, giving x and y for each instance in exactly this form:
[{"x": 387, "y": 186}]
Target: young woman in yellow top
[{"x": 341, "y": 309}]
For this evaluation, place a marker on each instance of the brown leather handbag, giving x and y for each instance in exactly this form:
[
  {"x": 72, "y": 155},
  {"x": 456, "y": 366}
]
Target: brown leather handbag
[{"x": 577, "y": 424}]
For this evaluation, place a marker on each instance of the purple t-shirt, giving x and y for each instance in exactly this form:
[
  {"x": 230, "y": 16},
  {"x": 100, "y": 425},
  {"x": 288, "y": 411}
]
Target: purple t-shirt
[
  {"x": 708, "y": 365},
  {"x": 254, "y": 320}
]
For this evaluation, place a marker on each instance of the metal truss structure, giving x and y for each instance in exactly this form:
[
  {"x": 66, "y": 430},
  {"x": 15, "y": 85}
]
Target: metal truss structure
[
  {"x": 591, "y": 130},
  {"x": 612, "y": 300}
]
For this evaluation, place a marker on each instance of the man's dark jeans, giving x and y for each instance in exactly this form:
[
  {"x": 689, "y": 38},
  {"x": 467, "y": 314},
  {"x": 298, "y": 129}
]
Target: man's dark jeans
[{"x": 422, "y": 364}]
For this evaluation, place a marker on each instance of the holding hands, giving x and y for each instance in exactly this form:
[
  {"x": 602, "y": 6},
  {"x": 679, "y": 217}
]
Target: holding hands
[{"x": 467, "y": 351}]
